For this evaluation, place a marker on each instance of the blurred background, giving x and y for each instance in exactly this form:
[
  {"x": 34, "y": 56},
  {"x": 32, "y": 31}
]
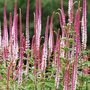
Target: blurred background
[{"x": 48, "y": 6}]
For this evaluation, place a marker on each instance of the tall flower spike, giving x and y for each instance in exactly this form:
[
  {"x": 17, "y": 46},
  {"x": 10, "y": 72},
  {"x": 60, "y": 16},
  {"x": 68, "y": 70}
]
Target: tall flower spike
[
  {"x": 70, "y": 11},
  {"x": 20, "y": 71},
  {"x": 45, "y": 49},
  {"x": 14, "y": 20},
  {"x": 5, "y": 35},
  {"x": 77, "y": 25},
  {"x": 84, "y": 24},
  {"x": 27, "y": 25},
  {"x": 57, "y": 78},
  {"x": 62, "y": 16},
  {"x": 38, "y": 23},
  {"x": 15, "y": 33},
  {"x": 37, "y": 30},
  {"x": 51, "y": 35},
  {"x": 5, "y": 28},
  {"x": 74, "y": 67},
  {"x": 62, "y": 24}
]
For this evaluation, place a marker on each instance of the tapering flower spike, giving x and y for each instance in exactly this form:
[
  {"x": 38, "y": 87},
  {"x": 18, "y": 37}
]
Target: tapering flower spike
[
  {"x": 37, "y": 30},
  {"x": 51, "y": 42},
  {"x": 62, "y": 15},
  {"x": 84, "y": 24},
  {"x": 62, "y": 24},
  {"x": 45, "y": 47},
  {"x": 20, "y": 70},
  {"x": 38, "y": 23},
  {"x": 15, "y": 33},
  {"x": 77, "y": 25},
  {"x": 57, "y": 78},
  {"x": 74, "y": 67},
  {"x": 14, "y": 20},
  {"x": 5, "y": 34},
  {"x": 27, "y": 25},
  {"x": 70, "y": 11}
]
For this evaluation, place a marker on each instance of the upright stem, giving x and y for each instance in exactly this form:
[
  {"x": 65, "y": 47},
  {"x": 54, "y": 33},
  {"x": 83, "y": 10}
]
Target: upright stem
[{"x": 27, "y": 65}]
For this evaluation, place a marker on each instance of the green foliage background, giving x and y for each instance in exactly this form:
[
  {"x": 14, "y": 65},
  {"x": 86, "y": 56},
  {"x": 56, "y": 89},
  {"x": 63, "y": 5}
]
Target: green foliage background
[{"x": 48, "y": 6}]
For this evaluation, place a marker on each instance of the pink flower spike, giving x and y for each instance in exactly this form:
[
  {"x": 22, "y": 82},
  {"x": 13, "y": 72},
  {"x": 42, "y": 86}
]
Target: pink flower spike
[
  {"x": 84, "y": 25},
  {"x": 5, "y": 28},
  {"x": 21, "y": 52},
  {"x": 38, "y": 23},
  {"x": 70, "y": 11},
  {"x": 74, "y": 67},
  {"x": 57, "y": 78},
  {"x": 62, "y": 24},
  {"x": 77, "y": 25},
  {"x": 37, "y": 31},
  {"x": 5, "y": 35},
  {"x": 45, "y": 49},
  {"x": 51, "y": 42},
  {"x": 27, "y": 25},
  {"x": 62, "y": 15},
  {"x": 15, "y": 33}
]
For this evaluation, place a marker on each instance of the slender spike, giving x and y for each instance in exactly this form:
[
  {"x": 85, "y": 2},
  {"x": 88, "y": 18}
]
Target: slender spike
[
  {"x": 37, "y": 27},
  {"x": 51, "y": 41},
  {"x": 74, "y": 68},
  {"x": 45, "y": 50},
  {"x": 5, "y": 28},
  {"x": 27, "y": 25},
  {"x": 57, "y": 78},
  {"x": 62, "y": 24},
  {"x": 15, "y": 33},
  {"x": 21, "y": 52},
  {"x": 62, "y": 16},
  {"x": 38, "y": 23},
  {"x": 77, "y": 25},
  {"x": 84, "y": 25},
  {"x": 5, "y": 35},
  {"x": 70, "y": 11}
]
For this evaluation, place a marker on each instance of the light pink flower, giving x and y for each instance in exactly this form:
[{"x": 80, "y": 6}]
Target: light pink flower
[
  {"x": 45, "y": 47},
  {"x": 51, "y": 41},
  {"x": 57, "y": 77},
  {"x": 27, "y": 25},
  {"x": 70, "y": 11},
  {"x": 84, "y": 24},
  {"x": 20, "y": 69},
  {"x": 77, "y": 45}
]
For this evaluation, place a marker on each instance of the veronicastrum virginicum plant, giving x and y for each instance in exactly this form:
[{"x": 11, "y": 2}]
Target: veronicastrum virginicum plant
[{"x": 58, "y": 64}]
